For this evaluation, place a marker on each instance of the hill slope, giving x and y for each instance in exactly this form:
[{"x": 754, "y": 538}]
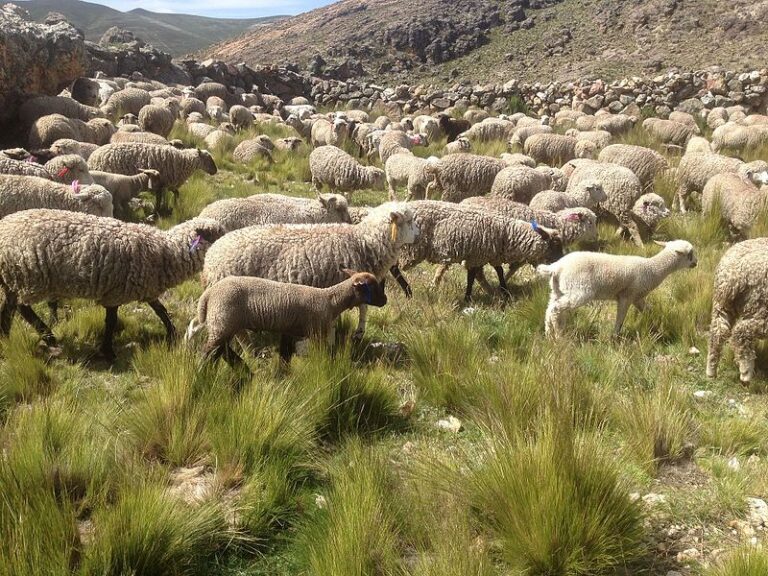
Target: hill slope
[
  {"x": 486, "y": 40},
  {"x": 177, "y": 34}
]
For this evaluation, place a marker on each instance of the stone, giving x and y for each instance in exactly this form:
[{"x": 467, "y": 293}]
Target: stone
[
  {"x": 758, "y": 512},
  {"x": 35, "y": 59},
  {"x": 451, "y": 424}
]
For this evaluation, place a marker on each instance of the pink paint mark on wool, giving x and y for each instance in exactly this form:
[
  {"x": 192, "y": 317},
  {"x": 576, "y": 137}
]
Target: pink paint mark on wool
[
  {"x": 193, "y": 246},
  {"x": 75, "y": 186}
]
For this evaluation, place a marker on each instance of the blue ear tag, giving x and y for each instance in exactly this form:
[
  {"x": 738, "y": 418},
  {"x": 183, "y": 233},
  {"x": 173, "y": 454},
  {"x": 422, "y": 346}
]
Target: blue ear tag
[{"x": 534, "y": 226}]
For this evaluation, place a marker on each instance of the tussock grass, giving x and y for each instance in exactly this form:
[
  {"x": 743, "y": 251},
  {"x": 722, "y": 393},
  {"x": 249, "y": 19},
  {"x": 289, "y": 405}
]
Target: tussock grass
[
  {"x": 746, "y": 561},
  {"x": 557, "y": 504}
]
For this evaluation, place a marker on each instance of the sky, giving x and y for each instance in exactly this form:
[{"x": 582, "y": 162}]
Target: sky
[{"x": 219, "y": 8}]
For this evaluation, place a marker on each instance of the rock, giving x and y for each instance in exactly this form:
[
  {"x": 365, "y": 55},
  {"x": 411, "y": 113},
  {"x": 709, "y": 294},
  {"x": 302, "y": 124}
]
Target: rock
[
  {"x": 693, "y": 351},
  {"x": 451, "y": 424},
  {"x": 758, "y": 512},
  {"x": 702, "y": 394},
  {"x": 652, "y": 499},
  {"x": 320, "y": 501},
  {"x": 688, "y": 555},
  {"x": 35, "y": 59},
  {"x": 734, "y": 464}
]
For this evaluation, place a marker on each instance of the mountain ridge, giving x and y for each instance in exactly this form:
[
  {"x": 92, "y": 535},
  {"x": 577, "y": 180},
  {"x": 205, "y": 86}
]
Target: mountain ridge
[
  {"x": 177, "y": 34},
  {"x": 492, "y": 40}
]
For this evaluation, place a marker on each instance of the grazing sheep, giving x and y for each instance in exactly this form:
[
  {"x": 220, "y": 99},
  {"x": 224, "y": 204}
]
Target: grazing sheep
[
  {"x": 458, "y": 146},
  {"x": 240, "y": 117},
  {"x": 428, "y": 126},
  {"x": 156, "y": 119},
  {"x": 621, "y": 186},
  {"x": 568, "y": 117},
  {"x": 409, "y": 170},
  {"x": 669, "y": 131},
  {"x": 586, "y": 194},
  {"x": 128, "y": 100},
  {"x": 42, "y": 256},
  {"x": 303, "y": 127},
  {"x": 452, "y": 127},
  {"x": 238, "y": 303},
  {"x": 522, "y": 133},
  {"x": 616, "y": 124},
  {"x": 583, "y": 277},
  {"x": 395, "y": 142},
  {"x": 290, "y": 144},
  {"x": 644, "y": 162},
  {"x": 197, "y": 129},
  {"x": 695, "y": 170},
  {"x": 191, "y": 106},
  {"x": 175, "y": 166},
  {"x": 556, "y": 149},
  {"x": 68, "y": 146},
  {"x": 459, "y": 176},
  {"x": 224, "y": 134},
  {"x": 47, "y": 129},
  {"x": 40, "y": 106},
  {"x": 206, "y": 90},
  {"x": 122, "y": 137},
  {"x": 600, "y": 138},
  {"x": 452, "y": 233},
  {"x": 685, "y": 118},
  {"x": 738, "y": 138},
  {"x": 125, "y": 188},
  {"x": 738, "y": 197},
  {"x": 236, "y": 213},
  {"x": 248, "y": 150},
  {"x": 717, "y": 117},
  {"x": 574, "y": 224},
  {"x": 698, "y": 145},
  {"x": 341, "y": 172},
  {"x": 738, "y": 306},
  {"x": 521, "y": 183},
  {"x": 327, "y": 133},
  {"x": 517, "y": 158},
  {"x": 647, "y": 213},
  {"x": 22, "y": 167},
  {"x": 473, "y": 115},
  {"x": 69, "y": 168},
  {"x": 490, "y": 130},
  {"x": 19, "y": 193},
  {"x": 314, "y": 254}
]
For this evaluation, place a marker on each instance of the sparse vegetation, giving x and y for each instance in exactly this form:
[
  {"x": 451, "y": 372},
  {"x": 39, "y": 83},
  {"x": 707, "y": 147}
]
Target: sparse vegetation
[{"x": 588, "y": 456}]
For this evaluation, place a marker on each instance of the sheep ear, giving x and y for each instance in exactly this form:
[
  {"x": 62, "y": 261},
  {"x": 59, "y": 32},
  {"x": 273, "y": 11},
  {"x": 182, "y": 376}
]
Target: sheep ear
[
  {"x": 660, "y": 243},
  {"x": 349, "y": 272},
  {"x": 323, "y": 199},
  {"x": 396, "y": 217}
]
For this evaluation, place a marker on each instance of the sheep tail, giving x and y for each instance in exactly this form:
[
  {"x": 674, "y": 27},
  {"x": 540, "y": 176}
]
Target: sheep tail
[
  {"x": 550, "y": 271},
  {"x": 197, "y": 324}
]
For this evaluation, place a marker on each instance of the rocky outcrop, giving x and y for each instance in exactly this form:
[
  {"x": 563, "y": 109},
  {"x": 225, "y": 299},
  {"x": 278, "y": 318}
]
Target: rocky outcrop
[{"x": 35, "y": 58}]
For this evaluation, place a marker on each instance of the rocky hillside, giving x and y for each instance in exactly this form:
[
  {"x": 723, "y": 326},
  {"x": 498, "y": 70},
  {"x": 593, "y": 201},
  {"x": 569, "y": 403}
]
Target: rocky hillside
[
  {"x": 481, "y": 40},
  {"x": 177, "y": 34}
]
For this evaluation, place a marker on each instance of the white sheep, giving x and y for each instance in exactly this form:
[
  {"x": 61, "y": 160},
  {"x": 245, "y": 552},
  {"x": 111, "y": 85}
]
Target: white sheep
[
  {"x": 53, "y": 254},
  {"x": 669, "y": 131},
  {"x": 737, "y": 137},
  {"x": 644, "y": 162},
  {"x": 738, "y": 305},
  {"x": 125, "y": 188},
  {"x": 314, "y": 254},
  {"x": 521, "y": 183},
  {"x": 19, "y": 193},
  {"x": 737, "y": 196},
  {"x": 586, "y": 194},
  {"x": 341, "y": 172},
  {"x": 406, "y": 169},
  {"x": 458, "y": 146},
  {"x": 238, "y": 303},
  {"x": 459, "y": 176},
  {"x": 556, "y": 149},
  {"x": 583, "y": 277},
  {"x": 236, "y": 213}
]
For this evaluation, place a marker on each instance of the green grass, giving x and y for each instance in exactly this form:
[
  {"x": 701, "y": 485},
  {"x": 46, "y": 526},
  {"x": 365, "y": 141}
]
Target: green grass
[{"x": 162, "y": 464}]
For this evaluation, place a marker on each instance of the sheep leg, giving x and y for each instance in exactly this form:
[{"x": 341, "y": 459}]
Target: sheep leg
[
  {"x": 53, "y": 313},
  {"x": 634, "y": 232},
  {"x": 110, "y": 324},
  {"x": 622, "y": 306},
  {"x": 287, "y": 348},
  {"x": 502, "y": 281},
  {"x": 483, "y": 281},
  {"x": 6, "y": 313},
  {"x": 402, "y": 282},
  {"x": 392, "y": 192},
  {"x": 640, "y": 304},
  {"x": 745, "y": 332},
  {"x": 513, "y": 268},
  {"x": 34, "y": 320},
  {"x": 439, "y": 273},
  {"x": 170, "y": 329},
  {"x": 361, "y": 322},
  {"x": 719, "y": 332},
  {"x": 471, "y": 276},
  {"x": 553, "y": 317}
]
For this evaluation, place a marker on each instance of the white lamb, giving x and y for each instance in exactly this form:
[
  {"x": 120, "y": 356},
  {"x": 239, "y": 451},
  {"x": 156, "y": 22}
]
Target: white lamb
[{"x": 583, "y": 277}]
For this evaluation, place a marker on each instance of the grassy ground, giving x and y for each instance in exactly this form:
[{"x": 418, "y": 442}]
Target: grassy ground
[{"x": 591, "y": 456}]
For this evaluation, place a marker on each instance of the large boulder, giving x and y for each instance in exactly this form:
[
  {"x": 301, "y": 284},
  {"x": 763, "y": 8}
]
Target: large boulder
[{"x": 35, "y": 58}]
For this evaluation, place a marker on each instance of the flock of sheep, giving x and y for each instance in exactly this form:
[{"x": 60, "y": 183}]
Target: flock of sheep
[{"x": 293, "y": 265}]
